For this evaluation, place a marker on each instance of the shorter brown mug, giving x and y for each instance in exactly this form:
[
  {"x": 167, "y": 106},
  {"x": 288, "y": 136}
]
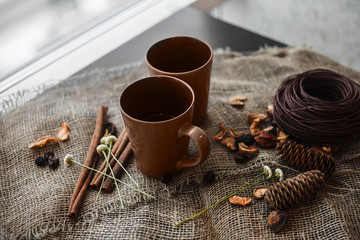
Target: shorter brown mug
[{"x": 157, "y": 113}]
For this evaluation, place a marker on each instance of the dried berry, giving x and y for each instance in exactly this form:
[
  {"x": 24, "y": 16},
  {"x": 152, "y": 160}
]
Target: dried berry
[
  {"x": 248, "y": 139},
  {"x": 277, "y": 219},
  {"x": 265, "y": 140},
  {"x": 242, "y": 201},
  {"x": 241, "y": 158},
  {"x": 209, "y": 177},
  {"x": 40, "y": 161},
  {"x": 47, "y": 155},
  {"x": 166, "y": 178},
  {"x": 260, "y": 191},
  {"x": 53, "y": 162}
]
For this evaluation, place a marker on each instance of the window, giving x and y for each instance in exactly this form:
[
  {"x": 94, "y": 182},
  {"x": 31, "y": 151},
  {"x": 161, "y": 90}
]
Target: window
[{"x": 31, "y": 29}]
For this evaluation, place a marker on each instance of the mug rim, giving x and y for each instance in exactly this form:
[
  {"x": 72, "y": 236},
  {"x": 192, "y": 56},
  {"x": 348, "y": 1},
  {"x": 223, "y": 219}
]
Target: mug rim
[
  {"x": 163, "y": 121},
  {"x": 184, "y": 72}
]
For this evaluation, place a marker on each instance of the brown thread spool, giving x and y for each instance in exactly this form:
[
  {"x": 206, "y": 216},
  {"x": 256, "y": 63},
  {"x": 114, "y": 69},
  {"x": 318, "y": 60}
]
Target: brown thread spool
[
  {"x": 306, "y": 158},
  {"x": 317, "y": 107},
  {"x": 293, "y": 191}
]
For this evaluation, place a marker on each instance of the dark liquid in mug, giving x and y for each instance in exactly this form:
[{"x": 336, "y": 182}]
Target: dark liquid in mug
[{"x": 158, "y": 117}]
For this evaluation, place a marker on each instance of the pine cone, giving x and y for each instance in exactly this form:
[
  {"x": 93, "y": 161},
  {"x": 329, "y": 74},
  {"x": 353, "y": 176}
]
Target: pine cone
[
  {"x": 305, "y": 158},
  {"x": 292, "y": 191}
]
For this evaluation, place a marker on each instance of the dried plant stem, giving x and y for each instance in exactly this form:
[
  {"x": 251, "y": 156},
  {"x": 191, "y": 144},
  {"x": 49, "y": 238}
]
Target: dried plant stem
[
  {"x": 239, "y": 189},
  {"x": 124, "y": 169},
  {"x": 106, "y": 166},
  {"x": 112, "y": 173},
  {"x": 115, "y": 179}
]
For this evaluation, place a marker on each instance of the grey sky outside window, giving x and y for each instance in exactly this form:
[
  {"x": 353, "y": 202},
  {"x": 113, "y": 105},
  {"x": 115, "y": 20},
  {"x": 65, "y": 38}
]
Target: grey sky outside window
[{"x": 31, "y": 29}]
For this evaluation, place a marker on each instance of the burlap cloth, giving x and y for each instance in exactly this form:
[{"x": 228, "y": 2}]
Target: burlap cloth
[{"x": 34, "y": 200}]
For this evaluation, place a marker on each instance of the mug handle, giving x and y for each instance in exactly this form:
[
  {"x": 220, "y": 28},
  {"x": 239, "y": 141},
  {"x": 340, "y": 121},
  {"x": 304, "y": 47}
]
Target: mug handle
[{"x": 202, "y": 141}]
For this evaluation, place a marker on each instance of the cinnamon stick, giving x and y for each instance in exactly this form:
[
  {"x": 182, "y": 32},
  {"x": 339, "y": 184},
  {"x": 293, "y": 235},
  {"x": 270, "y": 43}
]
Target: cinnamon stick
[
  {"x": 85, "y": 174},
  {"x": 108, "y": 185},
  {"x": 121, "y": 142}
]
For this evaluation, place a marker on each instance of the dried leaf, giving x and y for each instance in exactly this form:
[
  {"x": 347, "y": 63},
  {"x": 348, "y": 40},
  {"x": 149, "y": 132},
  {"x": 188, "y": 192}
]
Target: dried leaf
[
  {"x": 63, "y": 133},
  {"x": 242, "y": 201},
  {"x": 222, "y": 133},
  {"x": 42, "y": 141}
]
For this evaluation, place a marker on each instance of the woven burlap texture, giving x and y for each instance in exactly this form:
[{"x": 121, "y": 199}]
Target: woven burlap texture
[{"x": 34, "y": 201}]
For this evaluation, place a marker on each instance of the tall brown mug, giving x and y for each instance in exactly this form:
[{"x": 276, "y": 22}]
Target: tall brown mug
[
  {"x": 158, "y": 113},
  {"x": 188, "y": 59}
]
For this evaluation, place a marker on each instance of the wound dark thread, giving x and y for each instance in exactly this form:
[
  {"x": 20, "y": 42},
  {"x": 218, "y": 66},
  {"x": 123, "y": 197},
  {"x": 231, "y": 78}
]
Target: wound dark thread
[{"x": 318, "y": 106}]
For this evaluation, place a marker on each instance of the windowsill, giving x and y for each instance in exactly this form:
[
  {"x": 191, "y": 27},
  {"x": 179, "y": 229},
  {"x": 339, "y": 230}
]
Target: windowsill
[{"x": 85, "y": 49}]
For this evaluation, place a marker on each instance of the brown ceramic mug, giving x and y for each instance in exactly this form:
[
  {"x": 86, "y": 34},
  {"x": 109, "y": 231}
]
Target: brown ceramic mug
[
  {"x": 158, "y": 112},
  {"x": 188, "y": 59}
]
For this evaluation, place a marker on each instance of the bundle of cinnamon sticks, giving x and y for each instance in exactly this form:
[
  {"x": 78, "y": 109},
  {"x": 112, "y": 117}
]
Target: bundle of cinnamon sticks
[{"x": 121, "y": 150}]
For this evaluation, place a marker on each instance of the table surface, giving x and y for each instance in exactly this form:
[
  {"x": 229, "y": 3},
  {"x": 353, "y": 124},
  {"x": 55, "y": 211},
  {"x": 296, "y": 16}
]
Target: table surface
[{"x": 191, "y": 22}]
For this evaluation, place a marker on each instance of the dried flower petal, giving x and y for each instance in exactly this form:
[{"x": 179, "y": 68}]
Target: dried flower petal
[
  {"x": 222, "y": 133},
  {"x": 230, "y": 143},
  {"x": 270, "y": 109},
  {"x": 247, "y": 150},
  {"x": 281, "y": 135},
  {"x": 242, "y": 201},
  {"x": 42, "y": 141},
  {"x": 254, "y": 127},
  {"x": 238, "y": 101},
  {"x": 63, "y": 133},
  {"x": 252, "y": 116},
  {"x": 235, "y": 133},
  {"x": 260, "y": 191}
]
